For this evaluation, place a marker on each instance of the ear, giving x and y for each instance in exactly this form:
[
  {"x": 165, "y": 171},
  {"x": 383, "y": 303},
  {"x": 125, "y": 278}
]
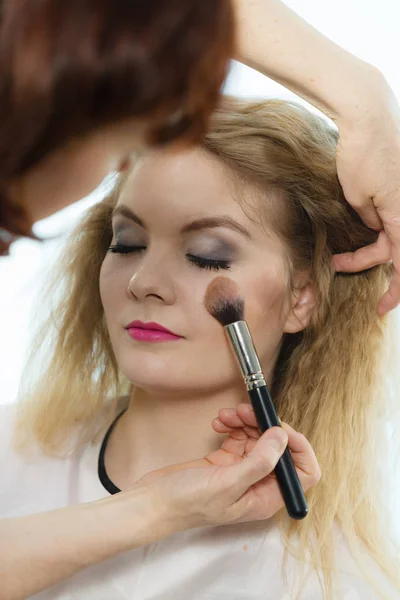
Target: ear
[{"x": 303, "y": 303}]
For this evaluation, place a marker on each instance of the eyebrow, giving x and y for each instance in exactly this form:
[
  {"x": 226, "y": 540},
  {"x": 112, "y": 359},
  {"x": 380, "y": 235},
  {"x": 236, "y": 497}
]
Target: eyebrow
[
  {"x": 204, "y": 223},
  {"x": 126, "y": 212}
]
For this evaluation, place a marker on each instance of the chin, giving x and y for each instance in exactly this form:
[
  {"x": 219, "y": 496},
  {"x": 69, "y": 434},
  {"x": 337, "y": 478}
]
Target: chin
[
  {"x": 176, "y": 370},
  {"x": 155, "y": 373},
  {"x": 180, "y": 379}
]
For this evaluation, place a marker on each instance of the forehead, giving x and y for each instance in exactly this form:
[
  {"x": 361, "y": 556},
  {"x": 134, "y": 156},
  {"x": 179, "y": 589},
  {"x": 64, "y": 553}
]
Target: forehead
[{"x": 191, "y": 183}]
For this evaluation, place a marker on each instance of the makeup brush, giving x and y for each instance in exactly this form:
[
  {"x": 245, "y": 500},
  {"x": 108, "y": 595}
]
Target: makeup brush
[{"x": 227, "y": 307}]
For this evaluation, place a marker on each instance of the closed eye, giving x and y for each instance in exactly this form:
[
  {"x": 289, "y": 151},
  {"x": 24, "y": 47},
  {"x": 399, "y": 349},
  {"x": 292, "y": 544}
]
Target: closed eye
[
  {"x": 208, "y": 263},
  {"x": 198, "y": 261},
  {"x": 123, "y": 249}
]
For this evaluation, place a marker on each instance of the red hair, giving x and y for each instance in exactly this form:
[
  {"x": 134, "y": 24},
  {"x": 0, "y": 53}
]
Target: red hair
[{"x": 68, "y": 67}]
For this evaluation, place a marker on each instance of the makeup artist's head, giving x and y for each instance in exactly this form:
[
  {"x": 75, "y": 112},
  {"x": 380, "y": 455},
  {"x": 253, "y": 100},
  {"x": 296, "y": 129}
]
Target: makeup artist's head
[
  {"x": 260, "y": 202},
  {"x": 83, "y": 84}
]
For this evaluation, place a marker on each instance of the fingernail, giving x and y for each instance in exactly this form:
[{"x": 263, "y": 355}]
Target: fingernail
[{"x": 278, "y": 441}]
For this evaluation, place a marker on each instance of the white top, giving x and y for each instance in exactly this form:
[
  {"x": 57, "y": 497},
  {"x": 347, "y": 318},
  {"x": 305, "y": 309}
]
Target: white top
[{"x": 230, "y": 562}]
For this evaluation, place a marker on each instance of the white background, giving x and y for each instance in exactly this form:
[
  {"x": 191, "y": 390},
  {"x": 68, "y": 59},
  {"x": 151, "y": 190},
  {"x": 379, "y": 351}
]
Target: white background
[{"x": 367, "y": 28}]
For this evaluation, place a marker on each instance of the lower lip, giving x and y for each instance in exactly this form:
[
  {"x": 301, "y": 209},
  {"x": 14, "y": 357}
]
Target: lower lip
[{"x": 151, "y": 335}]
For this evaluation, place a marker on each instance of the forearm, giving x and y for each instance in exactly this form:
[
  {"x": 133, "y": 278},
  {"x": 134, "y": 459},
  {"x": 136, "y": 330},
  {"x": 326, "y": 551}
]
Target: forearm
[
  {"x": 40, "y": 550},
  {"x": 277, "y": 42}
]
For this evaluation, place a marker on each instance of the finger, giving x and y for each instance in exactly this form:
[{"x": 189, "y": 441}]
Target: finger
[
  {"x": 364, "y": 205},
  {"x": 298, "y": 443},
  {"x": 248, "y": 416},
  {"x": 303, "y": 455},
  {"x": 368, "y": 214},
  {"x": 241, "y": 416},
  {"x": 239, "y": 446},
  {"x": 235, "y": 432},
  {"x": 230, "y": 417},
  {"x": 260, "y": 462},
  {"x": 391, "y": 297},
  {"x": 369, "y": 256},
  {"x": 246, "y": 413},
  {"x": 220, "y": 427}
]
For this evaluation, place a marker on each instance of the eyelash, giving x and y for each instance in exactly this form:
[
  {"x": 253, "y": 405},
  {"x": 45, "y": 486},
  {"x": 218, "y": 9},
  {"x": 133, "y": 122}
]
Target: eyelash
[
  {"x": 198, "y": 261},
  {"x": 122, "y": 249}
]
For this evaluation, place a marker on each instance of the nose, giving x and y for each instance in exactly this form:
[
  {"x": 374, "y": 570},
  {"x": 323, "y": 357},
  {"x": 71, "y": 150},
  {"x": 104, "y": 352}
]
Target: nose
[{"x": 152, "y": 280}]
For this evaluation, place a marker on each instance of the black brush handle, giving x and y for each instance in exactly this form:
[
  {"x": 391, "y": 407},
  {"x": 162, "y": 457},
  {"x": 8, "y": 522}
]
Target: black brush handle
[{"x": 285, "y": 471}]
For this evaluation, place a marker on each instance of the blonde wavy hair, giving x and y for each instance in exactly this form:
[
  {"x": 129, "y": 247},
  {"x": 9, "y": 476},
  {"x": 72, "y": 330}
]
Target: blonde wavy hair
[{"x": 331, "y": 381}]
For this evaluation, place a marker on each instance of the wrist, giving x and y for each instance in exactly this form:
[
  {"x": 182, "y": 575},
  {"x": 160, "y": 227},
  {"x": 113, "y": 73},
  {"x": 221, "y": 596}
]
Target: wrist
[
  {"x": 366, "y": 93},
  {"x": 138, "y": 518}
]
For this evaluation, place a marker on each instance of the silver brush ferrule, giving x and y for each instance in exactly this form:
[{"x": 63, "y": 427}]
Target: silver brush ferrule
[{"x": 245, "y": 351}]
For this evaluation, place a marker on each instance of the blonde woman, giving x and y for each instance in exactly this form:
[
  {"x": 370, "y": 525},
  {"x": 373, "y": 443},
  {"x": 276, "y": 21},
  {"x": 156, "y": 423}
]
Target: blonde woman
[{"x": 261, "y": 202}]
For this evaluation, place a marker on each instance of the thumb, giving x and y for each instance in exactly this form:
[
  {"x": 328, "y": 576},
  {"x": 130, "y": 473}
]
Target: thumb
[
  {"x": 261, "y": 461},
  {"x": 369, "y": 214},
  {"x": 355, "y": 195}
]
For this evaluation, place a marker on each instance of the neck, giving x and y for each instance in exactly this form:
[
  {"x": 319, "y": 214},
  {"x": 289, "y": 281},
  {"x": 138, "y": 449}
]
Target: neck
[{"x": 156, "y": 432}]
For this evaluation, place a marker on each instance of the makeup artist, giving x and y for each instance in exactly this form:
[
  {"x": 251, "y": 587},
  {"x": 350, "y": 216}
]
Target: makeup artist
[{"x": 82, "y": 87}]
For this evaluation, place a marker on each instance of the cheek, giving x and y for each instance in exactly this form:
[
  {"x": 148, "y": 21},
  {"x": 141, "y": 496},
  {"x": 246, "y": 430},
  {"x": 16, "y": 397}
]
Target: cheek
[
  {"x": 266, "y": 295},
  {"x": 266, "y": 301}
]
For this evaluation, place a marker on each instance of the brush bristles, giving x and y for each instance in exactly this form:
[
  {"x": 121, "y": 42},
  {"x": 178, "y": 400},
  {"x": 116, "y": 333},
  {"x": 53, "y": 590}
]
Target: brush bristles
[
  {"x": 228, "y": 311},
  {"x": 223, "y": 303}
]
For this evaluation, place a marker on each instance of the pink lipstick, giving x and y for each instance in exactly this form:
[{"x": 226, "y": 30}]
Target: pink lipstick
[{"x": 150, "y": 332}]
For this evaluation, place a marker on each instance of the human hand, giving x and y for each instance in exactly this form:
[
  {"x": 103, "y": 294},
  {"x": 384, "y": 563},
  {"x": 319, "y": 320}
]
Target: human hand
[
  {"x": 368, "y": 166},
  {"x": 234, "y": 483}
]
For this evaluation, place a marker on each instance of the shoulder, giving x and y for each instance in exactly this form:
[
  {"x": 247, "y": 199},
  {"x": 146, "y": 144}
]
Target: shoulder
[
  {"x": 11, "y": 465},
  {"x": 30, "y": 481},
  {"x": 11, "y": 460},
  {"x": 33, "y": 481},
  {"x": 8, "y": 420}
]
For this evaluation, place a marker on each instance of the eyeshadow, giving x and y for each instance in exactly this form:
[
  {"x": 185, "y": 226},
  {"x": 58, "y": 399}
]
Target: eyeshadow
[{"x": 212, "y": 247}]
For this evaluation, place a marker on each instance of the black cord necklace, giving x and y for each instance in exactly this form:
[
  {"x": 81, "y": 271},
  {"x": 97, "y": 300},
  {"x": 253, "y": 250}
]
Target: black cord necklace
[{"x": 104, "y": 478}]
